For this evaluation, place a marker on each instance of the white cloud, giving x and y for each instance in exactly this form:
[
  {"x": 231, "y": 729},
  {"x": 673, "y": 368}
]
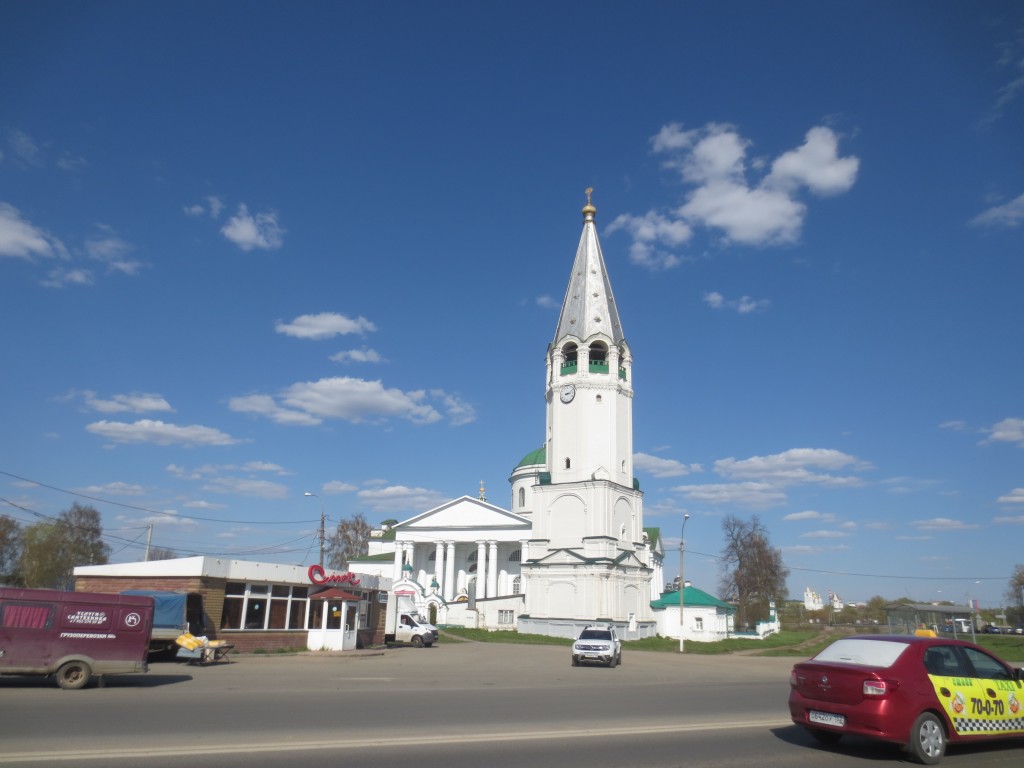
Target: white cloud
[
  {"x": 24, "y": 148},
  {"x": 1008, "y": 215},
  {"x": 397, "y": 499},
  {"x": 356, "y": 400},
  {"x": 659, "y": 467},
  {"x": 114, "y": 489},
  {"x": 459, "y": 412},
  {"x": 1012, "y": 520},
  {"x": 809, "y": 515},
  {"x": 265, "y": 405},
  {"x": 200, "y": 504},
  {"x": 58, "y": 277},
  {"x": 248, "y": 231},
  {"x": 364, "y": 355},
  {"x": 795, "y": 466},
  {"x": 712, "y": 162},
  {"x": 160, "y": 433},
  {"x": 757, "y": 495},
  {"x": 324, "y": 325},
  {"x": 262, "y": 489},
  {"x": 110, "y": 249},
  {"x": 816, "y": 164},
  {"x": 743, "y": 305},
  {"x": 1006, "y": 431},
  {"x": 1016, "y": 496},
  {"x": 956, "y": 425},
  {"x": 824, "y": 535},
  {"x": 133, "y": 403},
  {"x": 648, "y": 232},
  {"x": 214, "y": 205},
  {"x": 942, "y": 524},
  {"x": 337, "y": 486},
  {"x": 21, "y": 239},
  {"x": 547, "y": 302}
]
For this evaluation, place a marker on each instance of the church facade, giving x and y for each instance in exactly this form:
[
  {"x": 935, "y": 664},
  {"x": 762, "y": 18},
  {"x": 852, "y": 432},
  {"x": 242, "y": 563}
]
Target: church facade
[{"x": 572, "y": 550}]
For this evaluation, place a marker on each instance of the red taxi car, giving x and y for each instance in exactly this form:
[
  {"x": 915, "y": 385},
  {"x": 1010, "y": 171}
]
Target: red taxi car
[{"x": 918, "y": 692}]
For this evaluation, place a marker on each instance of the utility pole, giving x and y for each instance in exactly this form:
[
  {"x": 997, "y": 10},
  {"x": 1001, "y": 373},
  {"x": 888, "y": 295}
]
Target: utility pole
[
  {"x": 682, "y": 582},
  {"x": 307, "y": 493}
]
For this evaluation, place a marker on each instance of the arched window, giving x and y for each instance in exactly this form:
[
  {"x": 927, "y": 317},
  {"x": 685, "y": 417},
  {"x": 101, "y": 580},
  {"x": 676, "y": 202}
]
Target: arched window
[
  {"x": 472, "y": 555},
  {"x": 599, "y": 352},
  {"x": 567, "y": 462},
  {"x": 569, "y": 353},
  {"x": 516, "y": 556},
  {"x": 517, "y": 585},
  {"x": 472, "y": 568},
  {"x": 433, "y": 556},
  {"x": 522, "y": 497}
]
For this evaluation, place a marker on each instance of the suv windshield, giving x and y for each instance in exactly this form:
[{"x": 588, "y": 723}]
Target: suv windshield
[{"x": 596, "y": 634}]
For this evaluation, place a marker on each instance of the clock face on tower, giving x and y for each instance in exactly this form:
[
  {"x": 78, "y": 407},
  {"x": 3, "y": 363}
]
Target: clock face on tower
[{"x": 567, "y": 394}]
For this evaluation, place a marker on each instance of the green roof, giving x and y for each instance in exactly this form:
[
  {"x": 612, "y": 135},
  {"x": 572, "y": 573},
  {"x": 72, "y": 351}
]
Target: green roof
[
  {"x": 654, "y": 535},
  {"x": 539, "y": 456},
  {"x": 692, "y": 596}
]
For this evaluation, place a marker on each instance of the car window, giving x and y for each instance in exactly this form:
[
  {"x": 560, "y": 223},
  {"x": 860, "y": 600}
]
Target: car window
[
  {"x": 985, "y": 666},
  {"x": 869, "y": 653},
  {"x": 943, "y": 660},
  {"x": 595, "y": 634}
]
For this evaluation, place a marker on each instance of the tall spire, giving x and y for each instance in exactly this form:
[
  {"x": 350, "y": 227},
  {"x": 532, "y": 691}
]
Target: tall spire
[{"x": 589, "y": 306}]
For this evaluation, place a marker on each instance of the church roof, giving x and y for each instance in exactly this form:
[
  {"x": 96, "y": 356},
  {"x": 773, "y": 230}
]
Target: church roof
[
  {"x": 692, "y": 596},
  {"x": 589, "y": 307},
  {"x": 538, "y": 456}
]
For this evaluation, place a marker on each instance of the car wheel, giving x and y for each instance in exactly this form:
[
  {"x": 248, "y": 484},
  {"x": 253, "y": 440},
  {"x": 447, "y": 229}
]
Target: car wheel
[
  {"x": 620, "y": 659},
  {"x": 612, "y": 663},
  {"x": 575, "y": 661},
  {"x": 417, "y": 641},
  {"x": 927, "y": 739},
  {"x": 73, "y": 675},
  {"x": 825, "y": 737}
]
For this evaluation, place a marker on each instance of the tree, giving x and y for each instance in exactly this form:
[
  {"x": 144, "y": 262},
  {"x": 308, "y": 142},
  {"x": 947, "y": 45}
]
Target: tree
[
  {"x": 10, "y": 550},
  {"x": 161, "y": 553},
  {"x": 350, "y": 539},
  {"x": 52, "y": 549},
  {"x": 1015, "y": 591},
  {"x": 752, "y": 571}
]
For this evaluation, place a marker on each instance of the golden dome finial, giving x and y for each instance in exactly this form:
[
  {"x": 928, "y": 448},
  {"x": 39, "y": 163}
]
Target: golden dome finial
[{"x": 589, "y": 210}]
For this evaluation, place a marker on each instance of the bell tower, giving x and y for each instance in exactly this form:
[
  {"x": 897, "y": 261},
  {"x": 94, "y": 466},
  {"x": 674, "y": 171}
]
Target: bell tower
[{"x": 588, "y": 559}]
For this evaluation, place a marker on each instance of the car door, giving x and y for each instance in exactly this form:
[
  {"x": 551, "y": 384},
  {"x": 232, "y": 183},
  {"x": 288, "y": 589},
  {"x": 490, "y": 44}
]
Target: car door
[{"x": 978, "y": 693}]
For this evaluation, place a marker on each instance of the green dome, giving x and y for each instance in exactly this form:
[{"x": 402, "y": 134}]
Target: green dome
[{"x": 540, "y": 456}]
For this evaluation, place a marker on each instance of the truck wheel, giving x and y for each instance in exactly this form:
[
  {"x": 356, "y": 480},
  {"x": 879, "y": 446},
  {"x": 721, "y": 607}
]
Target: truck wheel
[
  {"x": 417, "y": 641},
  {"x": 927, "y": 740},
  {"x": 73, "y": 675}
]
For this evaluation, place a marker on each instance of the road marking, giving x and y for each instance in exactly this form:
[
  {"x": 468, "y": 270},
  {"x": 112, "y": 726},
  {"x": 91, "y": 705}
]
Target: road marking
[{"x": 376, "y": 743}]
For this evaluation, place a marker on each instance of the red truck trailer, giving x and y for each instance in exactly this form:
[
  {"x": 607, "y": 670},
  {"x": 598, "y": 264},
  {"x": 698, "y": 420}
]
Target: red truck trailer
[{"x": 73, "y": 636}]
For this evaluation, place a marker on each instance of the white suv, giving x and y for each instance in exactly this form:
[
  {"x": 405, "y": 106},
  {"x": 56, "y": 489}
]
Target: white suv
[{"x": 597, "y": 643}]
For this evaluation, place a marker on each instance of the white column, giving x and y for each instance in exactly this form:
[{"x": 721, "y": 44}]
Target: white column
[
  {"x": 492, "y": 569},
  {"x": 439, "y": 565},
  {"x": 399, "y": 549},
  {"x": 481, "y": 572},
  {"x": 449, "y": 571}
]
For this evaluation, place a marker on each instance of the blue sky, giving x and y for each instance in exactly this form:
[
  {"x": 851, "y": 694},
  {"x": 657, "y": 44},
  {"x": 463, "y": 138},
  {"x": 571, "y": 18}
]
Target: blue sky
[{"x": 250, "y": 250}]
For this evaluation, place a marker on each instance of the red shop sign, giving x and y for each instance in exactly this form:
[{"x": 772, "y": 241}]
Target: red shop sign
[{"x": 317, "y": 575}]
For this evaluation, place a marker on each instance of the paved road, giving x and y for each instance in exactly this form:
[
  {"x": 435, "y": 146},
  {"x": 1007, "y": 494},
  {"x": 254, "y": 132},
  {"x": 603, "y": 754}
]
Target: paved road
[{"x": 454, "y": 705}]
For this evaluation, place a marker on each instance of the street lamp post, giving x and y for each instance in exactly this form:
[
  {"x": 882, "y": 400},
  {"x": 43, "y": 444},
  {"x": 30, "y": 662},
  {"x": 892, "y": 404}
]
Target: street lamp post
[
  {"x": 321, "y": 526},
  {"x": 682, "y": 583}
]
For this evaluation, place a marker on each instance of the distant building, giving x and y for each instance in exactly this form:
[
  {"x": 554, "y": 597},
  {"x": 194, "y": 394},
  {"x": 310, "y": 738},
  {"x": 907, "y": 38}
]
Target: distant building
[{"x": 812, "y": 600}]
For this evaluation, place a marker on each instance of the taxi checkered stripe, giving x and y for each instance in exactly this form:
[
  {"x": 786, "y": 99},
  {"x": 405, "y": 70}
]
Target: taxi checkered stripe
[{"x": 977, "y": 725}]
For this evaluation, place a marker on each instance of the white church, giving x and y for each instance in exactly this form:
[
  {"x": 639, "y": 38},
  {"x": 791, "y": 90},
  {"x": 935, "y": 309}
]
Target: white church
[{"x": 572, "y": 550}]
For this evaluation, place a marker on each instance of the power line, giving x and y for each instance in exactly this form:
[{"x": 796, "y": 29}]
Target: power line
[{"x": 145, "y": 509}]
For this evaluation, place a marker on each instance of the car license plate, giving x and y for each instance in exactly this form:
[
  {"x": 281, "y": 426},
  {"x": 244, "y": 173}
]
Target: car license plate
[{"x": 826, "y": 718}]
